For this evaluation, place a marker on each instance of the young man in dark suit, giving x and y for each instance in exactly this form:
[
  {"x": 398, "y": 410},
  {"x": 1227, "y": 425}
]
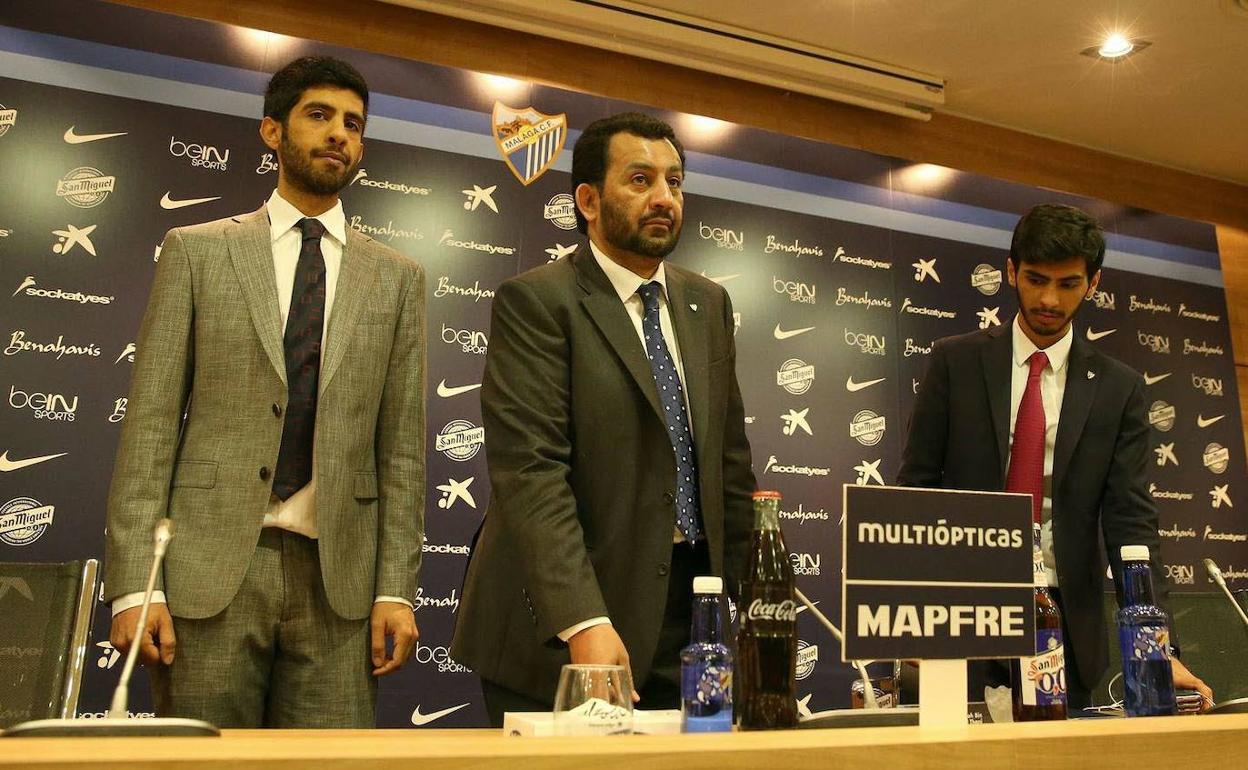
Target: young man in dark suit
[
  {"x": 1030, "y": 407},
  {"x": 615, "y": 437}
]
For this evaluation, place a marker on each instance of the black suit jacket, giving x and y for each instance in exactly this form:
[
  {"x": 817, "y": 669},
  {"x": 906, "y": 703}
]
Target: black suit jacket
[
  {"x": 583, "y": 476},
  {"x": 959, "y": 439}
]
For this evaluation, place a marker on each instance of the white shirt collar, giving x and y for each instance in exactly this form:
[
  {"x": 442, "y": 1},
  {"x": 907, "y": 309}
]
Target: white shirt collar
[
  {"x": 283, "y": 216},
  {"x": 625, "y": 281},
  {"x": 1058, "y": 352}
]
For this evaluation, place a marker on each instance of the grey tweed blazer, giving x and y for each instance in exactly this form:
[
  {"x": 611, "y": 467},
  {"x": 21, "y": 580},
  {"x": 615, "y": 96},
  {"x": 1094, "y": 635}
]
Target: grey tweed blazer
[{"x": 204, "y": 422}]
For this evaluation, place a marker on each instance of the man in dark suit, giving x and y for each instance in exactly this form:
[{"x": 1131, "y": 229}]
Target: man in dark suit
[
  {"x": 1031, "y": 407},
  {"x": 295, "y": 478},
  {"x": 615, "y": 437}
]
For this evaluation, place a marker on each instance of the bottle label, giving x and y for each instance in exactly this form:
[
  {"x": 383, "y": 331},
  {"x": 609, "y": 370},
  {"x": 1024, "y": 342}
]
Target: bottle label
[
  {"x": 706, "y": 688},
  {"x": 1044, "y": 676},
  {"x": 1150, "y": 642},
  {"x": 785, "y": 611}
]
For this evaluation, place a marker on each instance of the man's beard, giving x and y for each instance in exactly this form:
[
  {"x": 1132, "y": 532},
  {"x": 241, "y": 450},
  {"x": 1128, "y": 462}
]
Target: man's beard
[
  {"x": 1031, "y": 323},
  {"x": 624, "y": 235},
  {"x": 300, "y": 171}
]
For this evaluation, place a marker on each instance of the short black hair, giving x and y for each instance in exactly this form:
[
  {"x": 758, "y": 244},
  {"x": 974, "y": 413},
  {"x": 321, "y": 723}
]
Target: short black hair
[
  {"x": 1054, "y": 232},
  {"x": 287, "y": 85},
  {"x": 589, "y": 156}
]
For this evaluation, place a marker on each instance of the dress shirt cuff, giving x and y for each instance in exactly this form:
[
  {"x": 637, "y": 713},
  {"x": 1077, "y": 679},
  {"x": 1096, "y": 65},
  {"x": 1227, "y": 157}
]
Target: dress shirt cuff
[
  {"x": 572, "y": 631},
  {"x": 129, "y": 601},
  {"x": 395, "y": 599}
]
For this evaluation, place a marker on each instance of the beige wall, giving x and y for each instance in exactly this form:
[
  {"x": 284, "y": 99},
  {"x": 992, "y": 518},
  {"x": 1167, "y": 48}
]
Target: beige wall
[{"x": 945, "y": 140}]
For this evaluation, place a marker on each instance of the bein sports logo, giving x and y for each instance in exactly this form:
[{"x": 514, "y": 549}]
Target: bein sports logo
[
  {"x": 200, "y": 155},
  {"x": 467, "y": 340},
  {"x": 44, "y": 406},
  {"x": 1210, "y": 386},
  {"x": 1158, "y": 343},
  {"x": 732, "y": 240},
  {"x": 796, "y": 291}
]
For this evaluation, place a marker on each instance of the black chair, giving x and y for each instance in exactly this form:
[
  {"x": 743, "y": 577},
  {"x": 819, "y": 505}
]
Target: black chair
[
  {"x": 45, "y": 624},
  {"x": 1212, "y": 638}
]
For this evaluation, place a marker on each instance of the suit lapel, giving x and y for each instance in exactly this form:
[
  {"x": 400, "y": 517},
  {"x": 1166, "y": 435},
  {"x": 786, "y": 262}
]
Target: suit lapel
[
  {"x": 251, "y": 252},
  {"x": 608, "y": 314},
  {"x": 690, "y": 327},
  {"x": 355, "y": 277},
  {"x": 1081, "y": 383},
  {"x": 997, "y": 361}
]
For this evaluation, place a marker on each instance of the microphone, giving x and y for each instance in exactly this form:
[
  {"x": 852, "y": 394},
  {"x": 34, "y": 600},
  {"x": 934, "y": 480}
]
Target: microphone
[
  {"x": 116, "y": 721},
  {"x": 1216, "y": 575},
  {"x": 868, "y": 690},
  {"x": 121, "y": 695}
]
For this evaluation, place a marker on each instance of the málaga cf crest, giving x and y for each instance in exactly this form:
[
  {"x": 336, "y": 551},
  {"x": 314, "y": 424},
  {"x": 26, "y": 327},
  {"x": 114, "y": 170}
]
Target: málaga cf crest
[{"x": 529, "y": 140}]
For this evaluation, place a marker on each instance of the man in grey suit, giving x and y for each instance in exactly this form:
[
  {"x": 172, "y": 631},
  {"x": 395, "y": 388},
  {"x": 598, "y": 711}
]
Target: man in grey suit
[
  {"x": 1036, "y": 389},
  {"x": 615, "y": 437},
  {"x": 295, "y": 479}
]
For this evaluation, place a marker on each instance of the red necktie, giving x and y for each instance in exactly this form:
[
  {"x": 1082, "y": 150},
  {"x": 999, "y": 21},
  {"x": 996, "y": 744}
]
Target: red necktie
[{"x": 1026, "y": 473}]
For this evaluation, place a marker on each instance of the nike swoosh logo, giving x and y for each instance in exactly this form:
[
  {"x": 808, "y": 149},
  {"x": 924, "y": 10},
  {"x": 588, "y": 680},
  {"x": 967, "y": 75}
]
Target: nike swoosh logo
[
  {"x": 854, "y": 387},
  {"x": 1094, "y": 336},
  {"x": 446, "y": 392},
  {"x": 7, "y": 465},
  {"x": 169, "y": 203},
  {"x": 72, "y": 138},
  {"x": 1150, "y": 380},
  {"x": 780, "y": 334},
  {"x": 1202, "y": 422},
  {"x": 420, "y": 719}
]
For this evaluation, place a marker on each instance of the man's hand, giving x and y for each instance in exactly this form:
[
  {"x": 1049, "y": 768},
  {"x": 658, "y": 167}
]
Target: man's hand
[
  {"x": 393, "y": 619},
  {"x": 1186, "y": 680},
  {"x": 157, "y": 643},
  {"x": 601, "y": 645}
]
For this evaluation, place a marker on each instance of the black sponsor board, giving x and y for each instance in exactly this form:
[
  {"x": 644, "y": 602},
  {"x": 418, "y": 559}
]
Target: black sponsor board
[{"x": 936, "y": 574}]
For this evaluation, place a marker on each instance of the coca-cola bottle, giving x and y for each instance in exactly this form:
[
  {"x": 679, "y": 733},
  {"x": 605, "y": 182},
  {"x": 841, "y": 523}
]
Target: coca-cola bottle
[
  {"x": 767, "y": 641},
  {"x": 1038, "y": 682}
]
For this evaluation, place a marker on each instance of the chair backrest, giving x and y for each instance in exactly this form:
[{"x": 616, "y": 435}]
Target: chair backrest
[
  {"x": 45, "y": 623},
  {"x": 1212, "y": 637}
]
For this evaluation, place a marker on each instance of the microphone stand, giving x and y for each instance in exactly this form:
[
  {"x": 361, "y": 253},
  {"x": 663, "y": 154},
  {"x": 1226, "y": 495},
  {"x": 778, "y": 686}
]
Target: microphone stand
[
  {"x": 868, "y": 689},
  {"x": 116, "y": 722},
  {"x": 1216, "y": 574}
]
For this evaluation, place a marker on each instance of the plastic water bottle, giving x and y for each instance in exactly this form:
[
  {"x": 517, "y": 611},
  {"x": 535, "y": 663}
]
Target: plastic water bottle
[
  {"x": 1144, "y": 637},
  {"x": 706, "y": 665}
]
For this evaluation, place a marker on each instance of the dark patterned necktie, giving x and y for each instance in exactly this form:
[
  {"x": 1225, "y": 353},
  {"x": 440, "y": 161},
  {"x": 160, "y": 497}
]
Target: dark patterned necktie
[
  {"x": 671, "y": 397},
  {"x": 1026, "y": 472},
  {"x": 304, "y": 326}
]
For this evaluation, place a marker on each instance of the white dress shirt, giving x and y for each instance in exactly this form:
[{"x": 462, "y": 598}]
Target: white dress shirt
[
  {"x": 626, "y": 282},
  {"x": 296, "y": 513},
  {"x": 1052, "y": 391}
]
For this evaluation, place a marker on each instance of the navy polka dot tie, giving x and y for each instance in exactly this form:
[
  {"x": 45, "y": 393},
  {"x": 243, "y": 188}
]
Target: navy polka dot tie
[
  {"x": 304, "y": 326},
  {"x": 672, "y": 398}
]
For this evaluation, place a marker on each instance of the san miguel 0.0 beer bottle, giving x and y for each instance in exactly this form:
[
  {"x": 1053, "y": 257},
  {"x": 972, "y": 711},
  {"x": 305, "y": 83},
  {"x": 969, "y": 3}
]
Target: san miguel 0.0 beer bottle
[
  {"x": 1039, "y": 682},
  {"x": 767, "y": 641}
]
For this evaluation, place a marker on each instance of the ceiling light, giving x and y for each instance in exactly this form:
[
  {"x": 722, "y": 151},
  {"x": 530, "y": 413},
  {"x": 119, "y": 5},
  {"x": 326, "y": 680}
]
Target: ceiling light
[{"x": 1115, "y": 46}]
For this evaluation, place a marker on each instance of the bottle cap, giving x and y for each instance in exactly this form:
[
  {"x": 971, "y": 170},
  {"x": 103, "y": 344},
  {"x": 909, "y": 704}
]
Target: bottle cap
[
  {"x": 1134, "y": 553},
  {"x": 765, "y": 494},
  {"x": 708, "y": 584}
]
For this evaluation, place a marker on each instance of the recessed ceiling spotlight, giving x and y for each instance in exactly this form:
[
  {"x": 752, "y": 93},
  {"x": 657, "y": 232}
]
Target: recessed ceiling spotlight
[{"x": 1116, "y": 47}]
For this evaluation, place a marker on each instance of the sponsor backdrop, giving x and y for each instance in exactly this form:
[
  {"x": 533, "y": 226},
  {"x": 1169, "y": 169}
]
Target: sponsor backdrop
[{"x": 843, "y": 267}]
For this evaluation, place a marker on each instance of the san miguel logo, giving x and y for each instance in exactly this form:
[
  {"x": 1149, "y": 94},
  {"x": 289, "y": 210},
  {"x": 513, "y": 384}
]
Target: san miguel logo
[{"x": 528, "y": 140}]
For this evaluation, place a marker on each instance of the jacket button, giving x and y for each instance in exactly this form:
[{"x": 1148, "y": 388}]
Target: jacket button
[
  {"x": 277, "y": 410},
  {"x": 669, "y": 498},
  {"x": 264, "y": 474},
  {"x": 663, "y": 570}
]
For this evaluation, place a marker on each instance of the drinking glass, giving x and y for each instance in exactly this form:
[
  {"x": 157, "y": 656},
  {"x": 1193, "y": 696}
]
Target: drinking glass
[{"x": 594, "y": 700}]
